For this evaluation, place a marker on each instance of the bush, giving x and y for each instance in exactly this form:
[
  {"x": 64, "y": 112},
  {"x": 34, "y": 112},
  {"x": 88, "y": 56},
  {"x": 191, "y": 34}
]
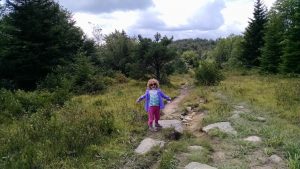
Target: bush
[
  {"x": 208, "y": 74},
  {"x": 10, "y": 105},
  {"x": 19, "y": 103}
]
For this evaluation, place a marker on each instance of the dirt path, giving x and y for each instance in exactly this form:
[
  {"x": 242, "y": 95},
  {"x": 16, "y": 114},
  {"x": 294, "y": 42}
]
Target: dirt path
[{"x": 171, "y": 108}]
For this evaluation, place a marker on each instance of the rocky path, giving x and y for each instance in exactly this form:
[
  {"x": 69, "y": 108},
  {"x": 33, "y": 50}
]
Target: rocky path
[{"x": 235, "y": 150}]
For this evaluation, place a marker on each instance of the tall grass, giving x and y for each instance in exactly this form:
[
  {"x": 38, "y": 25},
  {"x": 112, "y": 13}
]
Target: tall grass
[
  {"x": 272, "y": 93},
  {"x": 97, "y": 131}
]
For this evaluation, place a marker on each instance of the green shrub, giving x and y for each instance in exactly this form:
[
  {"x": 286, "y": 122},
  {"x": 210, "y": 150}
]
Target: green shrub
[
  {"x": 10, "y": 105},
  {"x": 168, "y": 160},
  {"x": 32, "y": 101},
  {"x": 208, "y": 74},
  {"x": 121, "y": 78}
]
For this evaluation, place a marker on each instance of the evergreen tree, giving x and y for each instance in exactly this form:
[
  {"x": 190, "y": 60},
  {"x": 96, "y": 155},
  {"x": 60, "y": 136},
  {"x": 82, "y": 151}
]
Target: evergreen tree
[
  {"x": 39, "y": 35},
  {"x": 253, "y": 36},
  {"x": 291, "y": 51},
  {"x": 153, "y": 58},
  {"x": 272, "y": 50}
]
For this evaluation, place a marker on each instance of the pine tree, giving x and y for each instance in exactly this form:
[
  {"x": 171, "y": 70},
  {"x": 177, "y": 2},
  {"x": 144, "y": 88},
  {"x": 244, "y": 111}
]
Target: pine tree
[
  {"x": 253, "y": 36},
  {"x": 272, "y": 50},
  {"x": 39, "y": 35},
  {"x": 291, "y": 51}
]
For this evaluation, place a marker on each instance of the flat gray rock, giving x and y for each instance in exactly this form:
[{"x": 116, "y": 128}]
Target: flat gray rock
[
  {"x": 222, "y": 126},
  {"x": 253, "y": 139},
  {"x": 275, "y": 158},
  {"x": 147, "y": 144},
  {"x": 195, "y": 165},
  {"x": 172, "y": 124},
  {"x": 195, "y": 148},
  {"x": 261, "y": 119}
]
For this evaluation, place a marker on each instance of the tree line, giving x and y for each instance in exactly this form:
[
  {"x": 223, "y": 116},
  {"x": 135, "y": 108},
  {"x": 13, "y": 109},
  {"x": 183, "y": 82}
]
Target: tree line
[
  {"x": 270, "y": 43},
  {"x": 40, "y": 47}
]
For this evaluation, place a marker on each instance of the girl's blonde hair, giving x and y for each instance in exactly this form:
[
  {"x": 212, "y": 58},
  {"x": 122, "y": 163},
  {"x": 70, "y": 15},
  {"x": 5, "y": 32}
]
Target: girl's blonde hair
[{"x": 152, "y": 81}]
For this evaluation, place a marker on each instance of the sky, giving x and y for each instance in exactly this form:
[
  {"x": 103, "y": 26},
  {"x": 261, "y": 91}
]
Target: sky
[{"x": 181, "y": 19}]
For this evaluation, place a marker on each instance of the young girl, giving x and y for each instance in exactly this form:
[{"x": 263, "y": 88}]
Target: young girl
[{"x": 153, "y": 102}]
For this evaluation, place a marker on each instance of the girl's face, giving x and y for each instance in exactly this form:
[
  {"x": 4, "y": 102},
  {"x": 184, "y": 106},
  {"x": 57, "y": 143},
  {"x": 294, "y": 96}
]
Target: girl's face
[{"x": 153, "y": 86}]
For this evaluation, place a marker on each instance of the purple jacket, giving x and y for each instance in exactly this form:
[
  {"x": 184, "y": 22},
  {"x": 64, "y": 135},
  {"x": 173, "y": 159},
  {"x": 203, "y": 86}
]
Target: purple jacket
[{"x": 161, "y": 96}]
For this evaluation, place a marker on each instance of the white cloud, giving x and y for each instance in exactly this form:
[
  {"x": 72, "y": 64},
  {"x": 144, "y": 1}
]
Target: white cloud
[
  {"x": 181, "y": 18},
  {"x": 103, "y": 6}
]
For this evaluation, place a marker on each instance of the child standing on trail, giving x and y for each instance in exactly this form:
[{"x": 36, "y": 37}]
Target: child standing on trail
[{"x": 153, "y": 102}]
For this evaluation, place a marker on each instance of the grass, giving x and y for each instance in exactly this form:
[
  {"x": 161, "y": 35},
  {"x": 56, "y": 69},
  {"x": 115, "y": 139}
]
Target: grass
[
  {"x": 275, "y": 98},
  {"x": 89, "y": 131}
]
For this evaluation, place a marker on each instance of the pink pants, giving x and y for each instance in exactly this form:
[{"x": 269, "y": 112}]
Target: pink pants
[{"x": 153, "y": 114}]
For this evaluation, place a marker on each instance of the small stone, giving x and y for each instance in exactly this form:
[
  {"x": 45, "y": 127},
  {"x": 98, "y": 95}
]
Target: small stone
[
  {"x": 193, "y": 114},
  {"x": 253, "y": 139},
  {"x": 189, "y": 109},
  {"x": 235, "y": 116},
  {"x": 237, "y": 112},
  {"x": 219, "y": 156},
  {"x": 195, "y": 148},
  {"x": 275, "y": 158},
  {"x": 195, "y": 165},
  {"x": 262, "y": 119},
  {"x": 239, "y": 107},
  {"x": 189, "y": 118},
  {"x": 261, "y": 167}
]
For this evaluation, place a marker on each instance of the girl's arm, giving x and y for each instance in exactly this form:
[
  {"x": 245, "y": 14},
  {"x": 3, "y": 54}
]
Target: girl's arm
[
  {"x": 141, "y": 98},
  {"x": 165, "y": 96}
]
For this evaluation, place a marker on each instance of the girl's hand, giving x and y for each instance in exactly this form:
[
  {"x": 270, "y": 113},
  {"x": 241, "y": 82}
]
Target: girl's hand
[{"x": 169, "y": 101}]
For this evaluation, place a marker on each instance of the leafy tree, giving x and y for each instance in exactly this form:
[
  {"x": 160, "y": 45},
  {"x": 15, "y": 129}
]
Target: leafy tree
[
  {"x": 191, "y": 58},
  {"x": 273, "y": 38},
  {"x": 253, "y": 36},
  {"x": 291, "y": 49},
  {"x": 38, "y": 35},
  {"x": 153, "y": 58},
  {"x": 227, "y": 51},
  {"x": 117, "y": 52}
]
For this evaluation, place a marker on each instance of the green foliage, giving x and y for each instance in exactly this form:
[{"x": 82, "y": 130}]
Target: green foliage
[
  {"x": 36, "y": 33},
  {"x": 208, "y": 74},
  {"x": 79, "y": 77},
  {"x": 272, "y": 50},
  {"x": 287, "y": 94},
  {"x": 20, "y": 103},
  {"x": 10, "y": 105},
  {"x": 191, "y": 58},
  {"x": 200, "y": 46},
  {"x": 117, "y": 52},
  {"x": 180, "y": 65},
  {"x": 38, "y": 141},
  {"x": 153, "y": 57},
  {"x": 227, "y": 51},
  {"x": 253, "y": 36},
  {"x": 168, "y": 160},
  {"x": 291, "y": 50}
]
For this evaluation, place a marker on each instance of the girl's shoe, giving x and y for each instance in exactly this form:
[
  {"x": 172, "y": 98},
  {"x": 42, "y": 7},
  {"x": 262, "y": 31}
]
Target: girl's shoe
[
  {"x": 152, "y": 129},
  {"x": 158, "y": 125}
]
